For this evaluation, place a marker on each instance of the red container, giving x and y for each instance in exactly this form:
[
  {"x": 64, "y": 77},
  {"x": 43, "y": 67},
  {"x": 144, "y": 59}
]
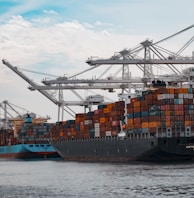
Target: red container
[
  {"x": 152, "y": 130},
  {"x": 114, "y": 133},
  {"x": 115, "y": 123}
]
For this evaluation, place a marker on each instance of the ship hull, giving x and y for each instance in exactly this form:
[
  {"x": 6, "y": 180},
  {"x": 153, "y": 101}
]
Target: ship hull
[
  {"x": 27, "y": 151},
  {"x": 175, "y": 149},
  {"x": 126, "y": 150}
]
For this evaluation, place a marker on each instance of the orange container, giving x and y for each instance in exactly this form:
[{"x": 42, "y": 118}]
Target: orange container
[
  {"x": 110, "y": 106},
  {"x": 130, "y": 120},
  {"x": 168, "y": 123},
  {"x": 187, "y": 123},
  {"x": 167, "y": 112},
  {"x": 179, "y": 112},
  {"x": 103, "y": 119},
  {"x": 61, "y": 133},
  {"x": 183, "y": 90},
  {"x": 106, "y": 110},
  {"x": 153, "y": 124},
  {"x": 171, "y": 90},
  {"x": 81, "y": 127},
  {"x": 145, "y": 124},
  {"x": 136, "y": 104}
]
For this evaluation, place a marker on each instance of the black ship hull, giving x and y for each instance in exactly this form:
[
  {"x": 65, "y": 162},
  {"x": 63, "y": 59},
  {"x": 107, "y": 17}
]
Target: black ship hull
[{"x": 126, "y": 150}]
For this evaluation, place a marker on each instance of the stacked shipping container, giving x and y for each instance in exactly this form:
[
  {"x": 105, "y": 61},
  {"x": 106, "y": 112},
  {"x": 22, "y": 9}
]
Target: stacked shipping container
[
  {"x": 163, "y": 111},
  {"x": 103, "y": 122},
  {"x": 31, "y": 133},
  {"x": 7, "y": 137}
]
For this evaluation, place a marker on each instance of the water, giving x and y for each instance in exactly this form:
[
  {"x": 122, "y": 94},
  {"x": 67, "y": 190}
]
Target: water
[{"x": 57, "y": 179}]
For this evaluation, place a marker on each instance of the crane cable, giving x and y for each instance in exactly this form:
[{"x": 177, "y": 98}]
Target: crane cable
[{"x": 191, "y": 26}]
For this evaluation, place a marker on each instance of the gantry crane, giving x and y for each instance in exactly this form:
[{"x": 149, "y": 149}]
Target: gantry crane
[
  {"x": 151, "y": 54},
  {"x": 13, "y": 117},
  {"x": 145, "y": 55},
  {"x": 88, "y": 102}
]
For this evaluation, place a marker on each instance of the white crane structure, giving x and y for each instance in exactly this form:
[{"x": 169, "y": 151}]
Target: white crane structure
[
  {"x": 88, "y": 102},
  {"x": 147, "y": 57},
  {"x": 129, "y": 57},
  {"x": 13, "y": 113}
]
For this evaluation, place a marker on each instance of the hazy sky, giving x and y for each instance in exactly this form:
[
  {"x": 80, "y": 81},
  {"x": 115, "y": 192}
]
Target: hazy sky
[{"x": 57, "y": 37}]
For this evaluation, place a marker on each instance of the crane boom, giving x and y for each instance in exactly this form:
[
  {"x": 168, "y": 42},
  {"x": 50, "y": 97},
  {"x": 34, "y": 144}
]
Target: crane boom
[
  {"x": 138, "y": 61},
  {"x": 6, "y": 102},
  {"x": 60, "y": 102},
  {"x": 45, "y": 93},
  {"x": 177, "y": 33}
]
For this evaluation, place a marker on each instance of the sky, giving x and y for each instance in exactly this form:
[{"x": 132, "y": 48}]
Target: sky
[{"x": 57, "y": 37}]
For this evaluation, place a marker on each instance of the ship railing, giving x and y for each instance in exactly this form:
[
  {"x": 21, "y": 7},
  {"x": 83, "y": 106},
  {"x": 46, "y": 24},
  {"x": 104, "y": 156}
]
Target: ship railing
[{"x": 111, "y": 138}]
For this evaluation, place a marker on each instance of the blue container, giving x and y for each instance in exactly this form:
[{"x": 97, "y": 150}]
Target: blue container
[
  {"x": 90, "y": 113},
  {"x": 130, "y": 115},
  {"x": 190, "y": 107},
  {"x": 77, "y": 128},
  {"x": 102, "y": 106},
  {"x": 141, "y": 98},
  {"x": 130, "y": 132},
  {"x": 92, "y": 133},
  {"x": 137, "y": 115},
  {"x": 137, "y": 130},
  {"x": 162, "y": 112},
  {"x": 190, "y": 90},
  {"x": 167, "y": 101},
  {"x": 144, "y": 114},
  {"x": 163, "y": 124},
  {"x": 68, "y": 122},
  {"x": 58, "y": 123},
  {"x": 145, "y": 130},
  {"x": 176, "y": 101},
  {"x": 171, "y": 112},
  {"x": 28, "y": 119}
]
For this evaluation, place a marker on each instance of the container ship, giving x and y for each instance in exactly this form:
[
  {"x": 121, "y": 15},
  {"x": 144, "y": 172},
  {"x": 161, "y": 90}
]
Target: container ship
[
  {"x": 28, "y": 139},
  {"x": 156, "y": 126},
  {"x": 152, "y": 121}
]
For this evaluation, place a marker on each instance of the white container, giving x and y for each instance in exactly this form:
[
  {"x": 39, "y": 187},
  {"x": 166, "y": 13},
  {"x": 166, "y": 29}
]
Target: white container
[
  {"x": 181, "y": 101},
  {"x": 108, "y": 133},
  {"x": 161, "y": 97},
  {"x": 87, "y": 122},
  {"x": 181, "y": 95},
  {"x": 190, "y": 96},
  {"x": 96, "y": 125},
  {"x": 97, "y": 130},
  {"x": 97, "y": 134}
]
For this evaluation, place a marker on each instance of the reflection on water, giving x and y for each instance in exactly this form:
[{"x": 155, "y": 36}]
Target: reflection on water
[{"x": 70, "y": 179}]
